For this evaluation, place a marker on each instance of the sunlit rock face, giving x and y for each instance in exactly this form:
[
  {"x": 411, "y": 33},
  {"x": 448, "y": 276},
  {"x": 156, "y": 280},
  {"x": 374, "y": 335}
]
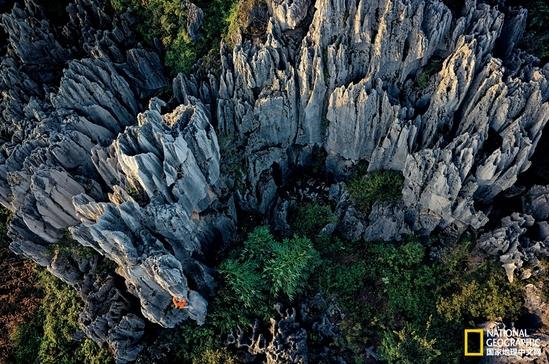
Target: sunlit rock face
[
  {"x": 89, "y": 153},
  {"x": 401, "y": 85},
  {"x": 74, "y": 145},
  {"x": 171, "y": 164}
]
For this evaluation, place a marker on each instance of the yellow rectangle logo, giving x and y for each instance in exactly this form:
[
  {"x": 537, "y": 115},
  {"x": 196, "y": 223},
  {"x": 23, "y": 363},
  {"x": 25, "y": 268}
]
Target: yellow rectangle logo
[{"x": 466, "y": 340}]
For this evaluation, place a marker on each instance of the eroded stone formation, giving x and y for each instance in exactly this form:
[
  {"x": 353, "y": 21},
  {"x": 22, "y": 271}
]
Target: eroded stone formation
[
  {"x": 142, "y": 196},
  {"x": 171, "y": 162},
  {"x": 350, "y": 86},
  {"x": 287, "y": 342},
  {"x": 444, "y": 97}
]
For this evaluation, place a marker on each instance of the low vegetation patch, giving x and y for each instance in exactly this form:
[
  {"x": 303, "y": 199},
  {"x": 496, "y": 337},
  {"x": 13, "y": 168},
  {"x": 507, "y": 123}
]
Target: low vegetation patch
[
  {"x": 411, "y": 307},
  {"x": 422, "y": 79},
  {"x": 166, "y": 20},
  {"x": 53, "y": 334},
  {"x": 257, "y": 275},
  {"x": 45, "y": 329},
  {"x": 310, "y": 218},
  {"x": 378, "y": 186}
]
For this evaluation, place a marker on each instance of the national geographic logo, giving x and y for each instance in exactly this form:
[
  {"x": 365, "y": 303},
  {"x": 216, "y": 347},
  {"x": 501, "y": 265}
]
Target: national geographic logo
[
  {"x": 474, "y": 342},
  {"x": 499, "y": 341}
]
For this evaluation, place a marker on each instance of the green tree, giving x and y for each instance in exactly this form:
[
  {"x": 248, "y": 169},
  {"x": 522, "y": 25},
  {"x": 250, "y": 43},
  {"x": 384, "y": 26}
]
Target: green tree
[
  {"x": 258, "y": 246},
  {"x": 290, "y": 265},
  {"x": 244, "y": 281},
  {"x": 166, "y": 20}
]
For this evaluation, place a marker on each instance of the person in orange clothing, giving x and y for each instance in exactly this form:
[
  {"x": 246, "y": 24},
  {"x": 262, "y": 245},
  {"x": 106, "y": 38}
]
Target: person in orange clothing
[{"x": 179, "y": 303}]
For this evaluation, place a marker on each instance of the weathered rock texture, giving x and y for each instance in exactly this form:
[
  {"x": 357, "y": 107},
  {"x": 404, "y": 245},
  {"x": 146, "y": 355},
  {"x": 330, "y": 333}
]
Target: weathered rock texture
[
  {"x": 521, "y": 240},
  {"x": 171, "y": 163},
  {"x": 443, "y": 97},
  {"x": 350, "y": 84},
  {"x": 142, "y": 197},
  {"x": 287, "y": 343}
]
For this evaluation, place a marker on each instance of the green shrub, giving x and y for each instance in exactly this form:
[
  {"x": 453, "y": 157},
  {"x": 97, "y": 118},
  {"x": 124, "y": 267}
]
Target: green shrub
[
  {"x": 50, "y": 337},
  {"x": 218, "y": 356},
  {"x": 310, "y": 218},
  {"x": 344, "y": 279},
  {"x": 380, "y": 287},
  {"x": 226, "y": 311},
  {"x": 422, "y": 80},
  {"x": 195, "y": 340},
  {"x": 343, "y": 269},
  {"x": 166, "y": 20},
  {"x": 419, "y": 304},
  {"x": 258, "y": 245},
  {"x": 433, "y": 66},
  {"x": 407, "y": 346},
  {"x": 203, "y": 344},
  {"x": 393, "y": 295},
  {"x": 378, "y": 186},
  {"x": 119, "y": 5},
  {"x": 283, "y": 266},
  {"x": 489, "y": 296},
  {"x": 61, "y": 308},
  {"x": 244, "y": 281},
  {"x": 234, "y": 21},
  {"x": 290, "y": 265},
  {"x": 472, "y": 291},
  {"x": 26, "y": 340},
  {"x": 90, "y": 353},
  {"x": 244, "y": 16},
  {"x": 67, "y": 246},
  {"x": 404, "y": 276}
]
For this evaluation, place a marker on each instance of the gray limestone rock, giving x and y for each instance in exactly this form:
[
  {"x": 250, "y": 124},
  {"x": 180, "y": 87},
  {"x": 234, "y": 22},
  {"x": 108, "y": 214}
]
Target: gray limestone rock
[
  {"x": 53, "y": 118},
  {"x": 289, "y": 13},
  {"x": 107, "y": 318},
  {"x": 194, "y": 18},
  {"x": 287, "y": 343},
  {"x": 161, "y": 210},
  {"x": 349, "y": 87},
  {"x": 536, "y": 202},
  {"x": 516, "y": 251},
  {"x": 395, "y": 84}
]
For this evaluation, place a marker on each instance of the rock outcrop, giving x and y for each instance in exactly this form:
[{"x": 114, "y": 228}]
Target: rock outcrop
[
  {"x": 521, "y": 241},
  {"x": 350, "y": 85},
  {"x": 70, "y": 91},
  {"x": 170, "y": 166},
  {"x": 287, "y": 342},
  {"x": 445, "y": 98}
]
